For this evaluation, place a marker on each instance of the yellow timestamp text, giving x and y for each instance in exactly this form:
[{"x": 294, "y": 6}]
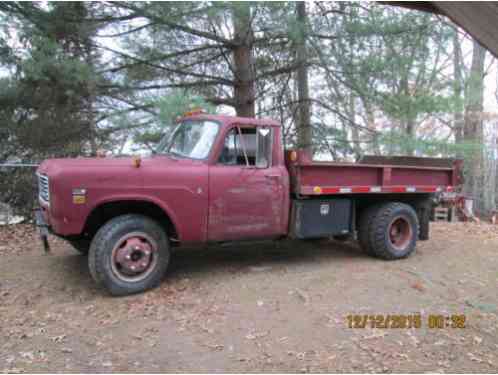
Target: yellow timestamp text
[{"x": 400, "y": 321}]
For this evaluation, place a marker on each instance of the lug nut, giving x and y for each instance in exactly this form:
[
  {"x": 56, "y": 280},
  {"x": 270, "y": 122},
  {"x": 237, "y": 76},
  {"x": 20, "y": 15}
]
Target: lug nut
[
  {"x": 128, "y": 257},
  {"x": 143, "y": 264},
  {"x": 133, "y": 268}
]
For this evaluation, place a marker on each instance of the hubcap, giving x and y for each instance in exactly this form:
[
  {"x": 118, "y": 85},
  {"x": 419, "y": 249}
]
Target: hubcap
[
  {"x": 400, "y": 233},
  {"x": 134, "y": 256}
]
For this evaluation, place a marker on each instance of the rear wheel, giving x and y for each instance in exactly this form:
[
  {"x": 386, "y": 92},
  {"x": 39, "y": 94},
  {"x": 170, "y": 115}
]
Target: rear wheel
[
  {"x": 392, "y": 231},
  {"x": 367, "y": 218},
  {"x": 129, "y": 254}
]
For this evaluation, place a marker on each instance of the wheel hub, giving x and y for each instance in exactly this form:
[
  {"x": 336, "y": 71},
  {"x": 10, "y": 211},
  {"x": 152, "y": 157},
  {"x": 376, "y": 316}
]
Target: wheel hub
[
  {"x": 133, "y": 256},
  {"x": 400, "y": 233}
]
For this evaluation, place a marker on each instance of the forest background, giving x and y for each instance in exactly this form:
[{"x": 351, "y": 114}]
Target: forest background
[{"x": 345, "y": 80}]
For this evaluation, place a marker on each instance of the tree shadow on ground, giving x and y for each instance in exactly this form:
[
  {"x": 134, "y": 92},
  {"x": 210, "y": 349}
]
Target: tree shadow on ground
[
  {"x": 223, "y": 260},
  {"x": 246, "y": 256}
]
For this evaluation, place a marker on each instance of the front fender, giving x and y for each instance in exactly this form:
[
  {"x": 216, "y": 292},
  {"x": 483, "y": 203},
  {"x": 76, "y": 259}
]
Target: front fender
[{"x": 136, "y": 198}]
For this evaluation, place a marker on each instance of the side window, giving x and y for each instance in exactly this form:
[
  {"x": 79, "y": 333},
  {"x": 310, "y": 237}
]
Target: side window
[
  {"x": 247, "y": 146},
  {"x": 230, "y": 149}
]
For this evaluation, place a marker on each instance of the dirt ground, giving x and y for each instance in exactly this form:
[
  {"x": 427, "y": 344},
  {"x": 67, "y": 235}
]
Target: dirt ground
[{"x": 254, "y": 308}]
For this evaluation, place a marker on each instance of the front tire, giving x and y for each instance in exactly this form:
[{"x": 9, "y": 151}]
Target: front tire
[{"x": 129, "y": 254}]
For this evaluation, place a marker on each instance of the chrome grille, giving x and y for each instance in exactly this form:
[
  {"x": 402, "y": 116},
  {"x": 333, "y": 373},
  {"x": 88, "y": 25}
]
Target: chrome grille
[{"x": 43, "y": 188}]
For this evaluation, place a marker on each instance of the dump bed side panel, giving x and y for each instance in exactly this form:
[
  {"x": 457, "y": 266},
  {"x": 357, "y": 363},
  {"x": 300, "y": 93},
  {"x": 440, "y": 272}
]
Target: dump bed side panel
[
  {"x": 411, "y": 176},
  {"x": 310, "y": 175},
  {"x": 317, "y": 178},
  {"x": 407, "y": 160}
]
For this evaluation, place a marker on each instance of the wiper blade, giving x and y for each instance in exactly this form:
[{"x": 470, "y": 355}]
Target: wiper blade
[{"x": 179, "y": 154}]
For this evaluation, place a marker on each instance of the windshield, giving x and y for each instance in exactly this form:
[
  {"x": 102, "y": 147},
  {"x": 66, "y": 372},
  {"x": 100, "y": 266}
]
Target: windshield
[{"x": 191, "y": 139}]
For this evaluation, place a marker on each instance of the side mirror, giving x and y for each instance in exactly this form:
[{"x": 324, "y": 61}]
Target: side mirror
[{"x": 263, "y": 147}]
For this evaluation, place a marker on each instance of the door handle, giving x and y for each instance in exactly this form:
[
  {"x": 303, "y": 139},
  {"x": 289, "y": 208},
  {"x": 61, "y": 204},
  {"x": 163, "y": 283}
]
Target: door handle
[{"x": 277, "y": 176}]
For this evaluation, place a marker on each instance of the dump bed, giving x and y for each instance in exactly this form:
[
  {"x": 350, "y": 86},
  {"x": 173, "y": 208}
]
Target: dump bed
[{"x": 372, "y": 175}]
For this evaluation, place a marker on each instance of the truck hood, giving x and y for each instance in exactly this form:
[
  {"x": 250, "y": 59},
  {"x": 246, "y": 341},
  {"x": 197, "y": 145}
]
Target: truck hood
[
  {"x": 167, "y": 182},
  {"x": 116, "y": 174},
  {"x": 54, "y": 166}
]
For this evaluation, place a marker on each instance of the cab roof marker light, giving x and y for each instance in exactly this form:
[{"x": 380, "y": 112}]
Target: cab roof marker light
[
  {"x": 194, "y": 111},
  {"x": 375, "y": 189},
  {"x": 345, "y": 190}
]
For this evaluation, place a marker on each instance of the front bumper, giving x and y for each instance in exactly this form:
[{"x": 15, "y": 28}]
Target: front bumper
[{"x": 42, "y": 228}]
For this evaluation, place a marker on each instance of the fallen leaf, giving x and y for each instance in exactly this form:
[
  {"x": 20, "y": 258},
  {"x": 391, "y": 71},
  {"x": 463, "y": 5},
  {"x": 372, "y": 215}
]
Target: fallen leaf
[
  {"x": 302, "y": 295},
  {"x": 58, "y": 339},
  {"x": 418, "y": 286},
  {"x": 474, "y": 358},
  {"x": 252, "y": 336},
  {"x": 375, "y": 335}
]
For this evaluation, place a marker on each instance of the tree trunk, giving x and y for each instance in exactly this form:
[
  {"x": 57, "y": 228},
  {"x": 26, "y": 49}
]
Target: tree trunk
[
  {"x": 244, "y": 92},
  {"x": 370, "y": 122},
  {"x": 410, "y": 135},
  {"x": 458, "y": 123},
  {"x": 409, "y": 121},
  {"x": 304, "y": 118},
  {"x": 472, "y": 131},
  {"x": 355, "y": 134},
  {"x": 489, "y": 177}
]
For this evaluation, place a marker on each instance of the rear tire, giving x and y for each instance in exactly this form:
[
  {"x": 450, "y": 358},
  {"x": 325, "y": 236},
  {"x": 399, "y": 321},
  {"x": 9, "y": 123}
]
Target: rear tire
[
  {"x": 367, "y": 218},
  {"x": 392, "y": 231},
  {"x": 129, "y": 254}
]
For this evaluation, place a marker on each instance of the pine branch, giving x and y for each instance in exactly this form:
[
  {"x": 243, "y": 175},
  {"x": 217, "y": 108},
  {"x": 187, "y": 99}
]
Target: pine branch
[
  {"x": 219, "y": 80},
  {"x": 162, "y": 57},
  {"x": 173, "y": 25}
]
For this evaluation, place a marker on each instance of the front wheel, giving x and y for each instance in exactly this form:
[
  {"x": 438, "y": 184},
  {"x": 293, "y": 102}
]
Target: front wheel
[
  {"x": 392, "y": 231},
  {"x": 129, "y": 254}
]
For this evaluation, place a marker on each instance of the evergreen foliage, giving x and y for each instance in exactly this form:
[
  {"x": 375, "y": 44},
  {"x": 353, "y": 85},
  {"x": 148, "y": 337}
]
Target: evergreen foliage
[{"x": 79, "y": 77}]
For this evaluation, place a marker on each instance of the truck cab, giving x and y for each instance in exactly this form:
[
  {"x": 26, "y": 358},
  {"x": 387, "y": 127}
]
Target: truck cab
[{"x": 215, "y": 179}]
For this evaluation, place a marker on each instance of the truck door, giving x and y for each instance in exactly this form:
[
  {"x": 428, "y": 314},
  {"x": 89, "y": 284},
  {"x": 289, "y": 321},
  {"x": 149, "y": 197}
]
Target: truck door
[{"x": 245, "y": 189}]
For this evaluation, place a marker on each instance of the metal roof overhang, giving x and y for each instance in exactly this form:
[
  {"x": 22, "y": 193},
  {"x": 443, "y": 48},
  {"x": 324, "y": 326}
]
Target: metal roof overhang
[{"x": 478, "y": 18}]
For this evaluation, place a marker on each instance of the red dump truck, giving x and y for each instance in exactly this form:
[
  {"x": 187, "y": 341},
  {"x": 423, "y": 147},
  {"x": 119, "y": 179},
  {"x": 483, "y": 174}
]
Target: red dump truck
[{"x": 219, "y": 179}]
